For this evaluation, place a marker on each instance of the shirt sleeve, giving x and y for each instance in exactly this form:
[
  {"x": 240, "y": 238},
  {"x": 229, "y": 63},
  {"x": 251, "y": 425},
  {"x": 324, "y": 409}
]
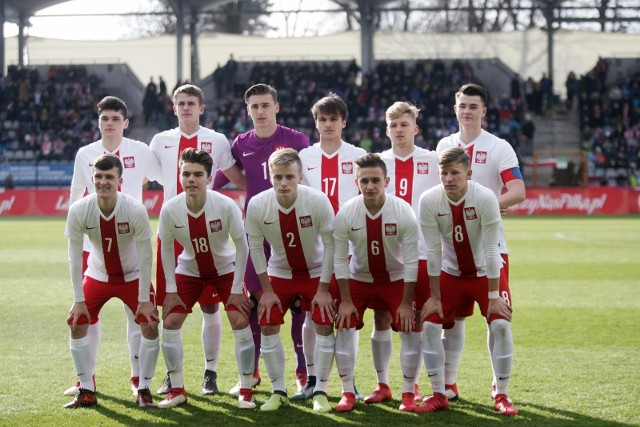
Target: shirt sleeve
[
  {"x": 78, "y": 181},
  {"x": 152, "y": 170},
  {"x": 167, "y": 254},
  {"x": 490, "y": 225},
  {"x": 410, "y": 244},
  {"x": 431, "y": 233},
  {"x": 75, "y": 269},
  {"x": 341, "y": 246},
  {"x": 326, "y": 234},
  {"x": 256, "y": 239},
  {"x": 237, "y": 233},
  {"x": 145, "y": 259}
]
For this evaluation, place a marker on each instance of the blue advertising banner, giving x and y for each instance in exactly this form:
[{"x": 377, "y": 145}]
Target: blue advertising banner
[{"x": 37, "y": 174}]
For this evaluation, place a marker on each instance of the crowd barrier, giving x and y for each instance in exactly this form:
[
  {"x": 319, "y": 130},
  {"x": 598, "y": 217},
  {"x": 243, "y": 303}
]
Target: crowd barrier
[{"x": 539, "y": 201}]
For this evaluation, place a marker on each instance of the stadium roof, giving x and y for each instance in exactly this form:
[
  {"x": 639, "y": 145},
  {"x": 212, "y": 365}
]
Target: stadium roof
[
  {"x": 14, "y": 9},
  {"x": 201, "y": 5}
]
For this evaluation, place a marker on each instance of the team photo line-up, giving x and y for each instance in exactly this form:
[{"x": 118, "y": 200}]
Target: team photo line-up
[{"x": 328, "y": 232}]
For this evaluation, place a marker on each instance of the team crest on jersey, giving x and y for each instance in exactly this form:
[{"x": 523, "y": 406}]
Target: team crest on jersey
[
  {"x": 123, "y": 228},
  {"x": 129, "y": 162},
  {"x": 470, "y": 214},
  {"x": 215, "y": 225},
  {"x": 347, "y": 168},
  {"x": 481, "y": 157},
  {"x": 390, "y": 230},
  {"x": 206, "y": 146},
  {"x": 423, "y": 168},
  {"x": 305, "y": 221}
]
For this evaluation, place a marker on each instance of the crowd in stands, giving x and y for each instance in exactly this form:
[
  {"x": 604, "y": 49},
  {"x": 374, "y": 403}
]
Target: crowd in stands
[
  {"x": 47, "y": 116},
  {"x": 430, "y": 84},
  {"x": 610, "y": 123}
]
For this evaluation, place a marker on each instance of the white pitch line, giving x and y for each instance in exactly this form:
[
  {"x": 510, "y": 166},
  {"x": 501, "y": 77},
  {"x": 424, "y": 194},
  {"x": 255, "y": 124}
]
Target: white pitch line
[{"x": 561, "y": 236}]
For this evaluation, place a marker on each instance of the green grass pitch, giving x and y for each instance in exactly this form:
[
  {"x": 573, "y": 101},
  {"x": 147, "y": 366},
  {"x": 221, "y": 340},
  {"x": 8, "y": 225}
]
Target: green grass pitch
[{"x": 576, "y": 290}]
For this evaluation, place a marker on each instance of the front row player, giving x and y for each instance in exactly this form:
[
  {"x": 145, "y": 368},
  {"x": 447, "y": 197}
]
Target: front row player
[
  {"x": 460, "y": 220},
  {"x": 202, "y": 221},
  {"x": 119, "y": 265},
  {"x": 297, "y": 222},
  {"x": 382, "y": 273}
]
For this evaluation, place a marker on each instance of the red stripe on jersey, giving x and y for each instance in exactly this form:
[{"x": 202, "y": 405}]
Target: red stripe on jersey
[
  {"x": 469, "y": 151},
  {"x": 375, "y": 250},
  {"x": 111, "y": 251},
  {"x": 199, "y": 234},
  {"x": 293, "y": 245},
  {"x": 184, "y": 144},
  {"x": 461, "y": 243},
  {"x": 329, "y": 180},
  {"x": 404, "y": 179}
]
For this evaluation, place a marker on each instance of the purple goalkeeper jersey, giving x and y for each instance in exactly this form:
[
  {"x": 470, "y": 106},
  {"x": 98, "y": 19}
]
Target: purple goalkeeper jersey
[{"x": 252, "y": 154}]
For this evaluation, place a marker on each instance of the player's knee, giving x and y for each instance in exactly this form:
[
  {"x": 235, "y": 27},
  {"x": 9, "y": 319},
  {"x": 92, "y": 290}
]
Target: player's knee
[
  {"x": 500, "y": 328},
  {"x": 268, "y": 330},
  {"x": 324, "y": 330},
  {"x": 382, "y": 320},
  {"x": 237, "y": 320},
  {"x": 209, "y": 308},
  {"x": 148, "y": 332}
]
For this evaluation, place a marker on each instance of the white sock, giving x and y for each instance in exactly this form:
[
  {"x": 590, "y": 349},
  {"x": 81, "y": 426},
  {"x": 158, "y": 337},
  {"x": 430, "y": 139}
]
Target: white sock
[
  {"x": 273, "y": 356},
  {"x": 133, "y": 339},
  {"x": 409, "y": 360},
  {"x": 309, "y": 343},
  {"x": 420, "y": 336},
  {"x": 245, "y": 354},
  {"x": 502, "y": 356},
  {"x": 381, "y": 348},
  {"x": 433, "y": 352},
  {"x": 211, "y": 339},
  {"x": 345, "y": 358},
  {"x": 453, "y": 342},
  {"x": 149, "y": 350},
  {"x": 81, "y": 355},
  {"x": 95, "y": 335},
  {"x": 490, "y": 344},
  {"x": 324, "y": 352},
  {"x": 173, "y": 352}
]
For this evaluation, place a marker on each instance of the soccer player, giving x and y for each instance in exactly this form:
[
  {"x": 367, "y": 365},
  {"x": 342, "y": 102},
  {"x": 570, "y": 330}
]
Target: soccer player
[
  {"x": 188, "y": 106},
  {"x": 251, "y": 150},
  {"x": 460, "y": 220},
  {"x": 383, "y": 270},
  {"x": 495, "y": 165},
  {"x": 327, "y": 166},
  {"x": 202, "y": 221},
  {"x": 297, "y": 223},
  {"x": 119, "y": 265},
  {"x": 412, "y": 170},
  {"x": 140, "y": 165}
]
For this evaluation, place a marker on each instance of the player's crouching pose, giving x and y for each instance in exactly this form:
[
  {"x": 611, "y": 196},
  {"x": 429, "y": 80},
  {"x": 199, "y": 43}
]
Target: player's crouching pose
[
  {"x": 382, "y": 272},
  {"x": 202, "y": 221},
  {"x": 297, "y": 222},
  {"x": 119, "y": 266},
  {"x": 460, "y": 221}
]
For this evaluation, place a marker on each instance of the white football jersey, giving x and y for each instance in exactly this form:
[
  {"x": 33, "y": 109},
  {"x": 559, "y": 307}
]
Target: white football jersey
[
  {"x": 207, "y": 253},
  {"x": 492, "y": 160},
  {"x": 462, "y": 236},
  {"x": 168, "y": 146},
  {"x": 138, "y": 163},
  {"x": 301, "y": 237},
  {"x": 333, "y": 174},
  {"x": 113, "y": 256},
  {"x": 410, "y": 176},
  {"x": 385, "y": 245}
]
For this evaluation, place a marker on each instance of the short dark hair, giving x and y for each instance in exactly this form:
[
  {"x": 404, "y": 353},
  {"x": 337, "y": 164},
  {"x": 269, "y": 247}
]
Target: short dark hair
[
  {"x": 371, "y": 160},
  {"x": 108, "y": 161},
  {"x": 454, "y": 155},
  {"x": 191, "y": 90},
  {"x": 112, "y": 103},
  {"x": 330, "y": 104},
  {"x": 473, "y": 89},
  {"x": 193, "y": 155},
  {"x": 261, "y": 89}
]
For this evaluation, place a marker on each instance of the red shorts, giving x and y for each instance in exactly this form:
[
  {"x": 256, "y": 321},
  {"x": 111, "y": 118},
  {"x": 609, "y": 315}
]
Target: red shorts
[
  {"x": 289, "y": 289},
  {"x": 459, "y": 292},
  {"x": 191, "y": 289},
  {"x": 467, "y": 310},
  {"x": 97, "y": 293},
  {"x": 161, "y": 284},
  {"x": 385, "y": 296}
]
